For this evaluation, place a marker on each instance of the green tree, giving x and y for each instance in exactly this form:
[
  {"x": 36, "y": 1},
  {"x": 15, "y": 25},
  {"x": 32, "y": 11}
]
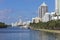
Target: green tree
[{"x": 3, "y": 25}]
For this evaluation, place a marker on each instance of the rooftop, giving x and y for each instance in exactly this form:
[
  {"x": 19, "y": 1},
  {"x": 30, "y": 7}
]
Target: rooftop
[{"x": 43, "y": 4}]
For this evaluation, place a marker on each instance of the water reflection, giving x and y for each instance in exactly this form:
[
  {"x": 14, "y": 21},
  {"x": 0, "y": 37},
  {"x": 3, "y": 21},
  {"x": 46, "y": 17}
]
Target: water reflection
[
  {"x": 50, "y": 36},
  {"x": 28, "y": 35}
]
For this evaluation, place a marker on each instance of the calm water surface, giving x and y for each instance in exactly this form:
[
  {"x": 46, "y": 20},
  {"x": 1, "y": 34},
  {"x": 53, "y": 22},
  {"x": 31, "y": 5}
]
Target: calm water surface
[{"x": 26, "y": 34}]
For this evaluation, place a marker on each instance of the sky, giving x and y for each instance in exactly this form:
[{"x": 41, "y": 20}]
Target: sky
[{"x": 13, "y": 10}]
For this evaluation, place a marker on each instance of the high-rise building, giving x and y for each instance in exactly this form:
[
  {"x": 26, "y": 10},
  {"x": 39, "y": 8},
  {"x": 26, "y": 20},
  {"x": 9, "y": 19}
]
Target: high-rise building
[
  {"x": 57, "y": 7},
  {"x": 42, "y": 10}
]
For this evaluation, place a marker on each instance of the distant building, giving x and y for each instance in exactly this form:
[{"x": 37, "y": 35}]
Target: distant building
[
  {"x": 55, "y": 18},
  {"x": 42, "y": 10},
  {"x": 52, "y": 14},
  {"x": 14, "y": 24},
  {"x": 43, "y": 14},
  {"x": 20, "y": 22},
  {"x": 36, "y": 20},
  {"x": 46, "y": 17},
  {"x": 26, "y": 24},
  {"x": 57, "y": 7}
]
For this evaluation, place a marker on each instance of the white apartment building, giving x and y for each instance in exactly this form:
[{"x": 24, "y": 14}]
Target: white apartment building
[
  {"x": 36, "y": 20},
  {"x": 46, "y": 17}
]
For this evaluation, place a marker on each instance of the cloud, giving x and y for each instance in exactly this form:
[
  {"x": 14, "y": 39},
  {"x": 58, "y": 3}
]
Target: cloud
[{"x": 4, "y": 13}]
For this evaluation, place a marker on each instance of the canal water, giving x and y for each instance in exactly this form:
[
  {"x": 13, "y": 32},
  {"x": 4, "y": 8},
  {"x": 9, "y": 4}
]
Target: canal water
[{"x": 26, "y": 34}]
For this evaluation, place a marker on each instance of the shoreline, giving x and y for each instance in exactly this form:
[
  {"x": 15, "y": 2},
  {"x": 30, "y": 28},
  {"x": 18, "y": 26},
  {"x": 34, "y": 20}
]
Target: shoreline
[{"x": 47, "y": 30}]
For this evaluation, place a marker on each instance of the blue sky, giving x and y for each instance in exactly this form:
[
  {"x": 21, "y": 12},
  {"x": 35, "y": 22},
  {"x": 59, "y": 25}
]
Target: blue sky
[{"x": 13, "y": 10}]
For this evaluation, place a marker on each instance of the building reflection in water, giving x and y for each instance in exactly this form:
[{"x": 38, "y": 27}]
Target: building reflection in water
[{"x": 50, "y": 36}]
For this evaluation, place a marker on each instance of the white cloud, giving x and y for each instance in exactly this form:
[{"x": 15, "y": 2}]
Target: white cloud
[{"x": 4, "y": 13}]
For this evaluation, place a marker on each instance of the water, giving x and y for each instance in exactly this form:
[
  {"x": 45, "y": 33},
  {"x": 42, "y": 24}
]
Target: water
[{"x": 26, "y": 34}]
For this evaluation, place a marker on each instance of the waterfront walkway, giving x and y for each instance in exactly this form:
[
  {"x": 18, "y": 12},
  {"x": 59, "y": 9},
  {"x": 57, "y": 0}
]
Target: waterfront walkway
[{"x": 51, "y": 31}]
